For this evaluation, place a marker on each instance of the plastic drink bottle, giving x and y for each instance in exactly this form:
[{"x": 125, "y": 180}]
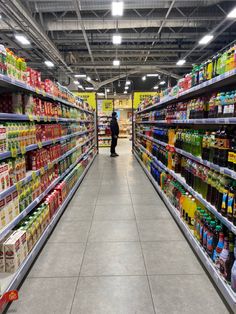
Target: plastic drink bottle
[
  {"x": 220, "y": 244},
  {"x": 221, "y": 262},
  {"x": 230, "y": 260},
  {"x": 233, "y": 270},
  {"x": 210, "y": 236}
]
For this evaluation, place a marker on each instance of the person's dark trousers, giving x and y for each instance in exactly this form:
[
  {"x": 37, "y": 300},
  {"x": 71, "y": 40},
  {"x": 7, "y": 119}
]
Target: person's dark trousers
[{"x": 113, "y": 145}]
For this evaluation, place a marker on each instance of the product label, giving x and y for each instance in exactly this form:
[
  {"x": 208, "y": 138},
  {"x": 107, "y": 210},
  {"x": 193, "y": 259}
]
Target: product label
[
  {"x": 231, "y": 157},
  {"x": 224, "y": 199},
  {"x": 230, "y": 205},
  {"x": 209, "y": 242}
]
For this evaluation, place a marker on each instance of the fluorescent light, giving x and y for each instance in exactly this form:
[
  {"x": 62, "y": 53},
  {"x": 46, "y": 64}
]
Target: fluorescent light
[
  {"x": 100, "y": 94},
  {"x": 181, "y": 62},
  {"x": 117, "y": 8},
  {"x": 0, "y": 16},
  {"x": 49, "y": 64},
  {"x": 162, "y": 83},
  {"x": 116, "y": 39},
  {"x": 22, "y": 39},
  {"x": 76, "y": 82},
  {"x": 152, "y": 75},
  {"x": 232, "y": 14},
  {"x": 116, "y": 62},
  {"x": 108, "y": 90},
  {"x": 80, "y": 86},
  {"x": 125, "y": 92},
  {"x": 88, "y": 78},
  {"x": 89, "y": 88},
  {"x": 144, "y": 78},
  {"x": 156, "y": 87},
  {"x": 80, "y": 75},
  {"x": 205, "y": 39},
  {"x": 127, "y": 83},
  {"x": 126, "y": 87}
]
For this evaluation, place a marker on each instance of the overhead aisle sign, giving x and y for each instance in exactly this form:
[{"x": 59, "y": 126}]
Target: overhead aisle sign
[
  {"x": 138, "y": 97},
  {"x": 89, "y": 97},
  {"x": 107, "y": 105}
]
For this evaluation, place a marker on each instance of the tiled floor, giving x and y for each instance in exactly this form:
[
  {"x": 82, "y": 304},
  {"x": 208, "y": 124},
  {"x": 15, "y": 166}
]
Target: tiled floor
[{"x": 117, "y": 250}]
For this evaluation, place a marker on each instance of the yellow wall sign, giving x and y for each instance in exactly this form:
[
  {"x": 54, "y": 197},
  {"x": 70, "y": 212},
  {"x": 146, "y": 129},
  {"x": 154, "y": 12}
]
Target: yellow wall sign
[
  {"x": 89, "y": 97},
  {"x": 138, "y": 97},
  {"x": 107, "y": 105}
]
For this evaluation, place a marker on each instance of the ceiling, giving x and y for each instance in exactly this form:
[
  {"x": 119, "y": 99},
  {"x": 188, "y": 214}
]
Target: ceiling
[{"x": 77, "y": 36}]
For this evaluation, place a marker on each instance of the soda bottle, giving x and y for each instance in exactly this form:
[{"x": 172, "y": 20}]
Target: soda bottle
[
  {"x": 214, "y": 180},
  {"x": 230, "y": 204},
  {"x": 205, "y": 231},
  {"x": 225, "y": 201},
  {"x": 210, "y": 236},
  {"x": 216, "y": 233},
  {"x": 209, "y": 185},
  {"x": 202, "y": 217},
  {"x": 221, "y": 262},
  {"x": 220, "y": 244},
  {"x": 191, "y": 213},
  {"x": 197, "y": 223},
  {"x": 205, "y": 146}
]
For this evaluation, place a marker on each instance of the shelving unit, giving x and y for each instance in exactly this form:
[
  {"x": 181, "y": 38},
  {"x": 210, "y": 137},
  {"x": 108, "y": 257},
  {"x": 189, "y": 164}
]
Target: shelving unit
[
  {"x": 103, "y": 129},
  {"x": 88, "y": 149},
  {"x": 148, "y": 123}
]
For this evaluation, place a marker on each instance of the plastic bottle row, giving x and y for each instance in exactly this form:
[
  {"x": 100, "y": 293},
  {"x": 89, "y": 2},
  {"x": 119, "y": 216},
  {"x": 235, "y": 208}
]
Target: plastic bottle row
[{"x": 216, "y": 240}]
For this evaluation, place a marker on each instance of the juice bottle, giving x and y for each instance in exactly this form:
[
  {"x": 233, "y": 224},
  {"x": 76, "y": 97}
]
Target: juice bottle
[
  {"x": 210, "y": 236},
  {"x": 212, "y": 142},
  {"x": 203, "y": 184},
  {"x": 221, "y": 262},
  {"x": 222, "y": 188},
  {"x": 232, "y": 151},
  {"x": 233, "y": 270},
  {"x": 220, "y": 244},
  {"x": 191, "y": 213},
  {"x": 214, "y": 181},
  {"x": 205, "y": 146},
  {"x": 205, "y": 231},
  {"x": 225, "y": 201},
  {"x": 209, "y": 185},
  {"x": 230, "y": 203},
  {"x": 230, "y": 260},
  {"x": 202, "y": 212},
  {"x": 216, "y": 233},
  {"x": 197, "y": 223}
]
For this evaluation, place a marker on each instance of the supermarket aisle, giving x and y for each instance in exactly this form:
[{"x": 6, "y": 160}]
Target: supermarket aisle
[{"x": 117, "y": 250}]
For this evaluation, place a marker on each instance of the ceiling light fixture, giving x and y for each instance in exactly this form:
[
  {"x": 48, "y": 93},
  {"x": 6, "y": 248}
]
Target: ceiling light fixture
[
  {"x": 232, "y": 14},
  {"x": 180, "y": 62},
  {"x": 116, "y": 39},
  {"x": 125, "y": 92},
  {"x": 88, "y": 78},
  {"x": 49, "y": 64},
  {"x": 89, "y": 88},
  {"x": 80, "y": 75},
  {"x": 162, "y": 83},
  {"x": 117, "y": 8},
  {"x": 76, "y": 82},
  {"x": 22, "y": 39},
  {"x": 152, "y": 75},
  {"x": 100, "y": 94},
  {"x": 108, "y": 90},
  {"x": 156, "y": 87},
  {"x": 80, "y": 86},
  {"x": 144, "y": 78},
  {"x": 205, "y": 39},
  {"x": 126, "y": 87},
  {"x": 116, "y": 62},
  {"x": 0, "y": 16},
  {"x": 127, "y": 83}
]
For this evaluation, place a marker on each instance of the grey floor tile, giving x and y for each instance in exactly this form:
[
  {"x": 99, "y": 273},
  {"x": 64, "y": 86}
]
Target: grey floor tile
[
  {"x": 159, "y": 230},
  {"x": 185, "y": 294},
  {"x": 110, "y": 199},
  {"x": 118, "y": 258},
  {"x": 120, "y": 230},
  {"x": 59, "y": 260},
  {"x": 143, "y": 212},
  {"x": 142, "y": 188},
  {"x": 118, "y": 189},
  {"x": 113, "y": 212},
  {"x": 70, "y": 232},
  {"x": 81, "y": 212},
  {"x": 84, "y": 199},
  {"x": 170, "y": 257},
  {"x": 45, "y": 295},
  {"x": 113, "y": 295},
  {"x": 146, "y": 199}
]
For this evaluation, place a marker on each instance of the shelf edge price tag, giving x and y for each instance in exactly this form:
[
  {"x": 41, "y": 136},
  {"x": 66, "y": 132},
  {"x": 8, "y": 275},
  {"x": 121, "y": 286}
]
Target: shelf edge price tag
[
  {"x": 13, "y": 152},
  {"x": 42, "y": 171},
  {"x": 40, "y": 145}
]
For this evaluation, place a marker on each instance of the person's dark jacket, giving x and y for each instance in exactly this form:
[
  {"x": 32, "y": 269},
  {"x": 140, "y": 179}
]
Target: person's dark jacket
[{"x": 114, "y": 127}]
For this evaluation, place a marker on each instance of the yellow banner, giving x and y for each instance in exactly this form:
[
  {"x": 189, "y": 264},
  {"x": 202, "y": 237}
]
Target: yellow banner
[
  {"x": 107, "y": 105},
  {"x": 89, "y": 97},
  {"x": 138, "y": 97}
]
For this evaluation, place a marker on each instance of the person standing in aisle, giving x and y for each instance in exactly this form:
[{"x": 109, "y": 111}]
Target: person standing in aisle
[{"x": 114, "y": 134}]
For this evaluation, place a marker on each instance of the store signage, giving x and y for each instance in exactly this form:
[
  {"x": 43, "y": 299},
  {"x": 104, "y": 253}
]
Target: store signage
[
  {"x": 138, "y": 97},
  {"x": 89, "y": 97},
  {"x": 107, "y": 105}
]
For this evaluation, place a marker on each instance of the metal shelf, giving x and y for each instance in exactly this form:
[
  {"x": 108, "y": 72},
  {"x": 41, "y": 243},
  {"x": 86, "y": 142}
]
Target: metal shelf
[
  {"x": 218, "y": 81},
  {"x": 225, "y": 289},
  {"x": 29, "y": 148},
  {"x": 222, "y": 170},
  {"x": 6, "y": 81},
  {"x": 198, "y": 196},
  {"x": 12, "y": 281},
  {"x": 193, "y": 121},
  {"x": 32, "y": 205}
]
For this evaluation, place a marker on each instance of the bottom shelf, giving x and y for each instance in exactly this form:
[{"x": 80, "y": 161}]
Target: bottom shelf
[
  {"x": 12, "y": 281},
  {"x": 224, "y": 288}
]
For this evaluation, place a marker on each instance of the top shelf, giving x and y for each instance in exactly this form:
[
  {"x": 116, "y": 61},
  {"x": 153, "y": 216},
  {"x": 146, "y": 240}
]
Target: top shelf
[
  {"x": 208, "y": 86},
  {"x": 6, "y": 81}
]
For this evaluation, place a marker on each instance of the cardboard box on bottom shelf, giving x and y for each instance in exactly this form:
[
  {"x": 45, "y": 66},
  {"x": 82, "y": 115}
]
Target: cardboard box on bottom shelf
[{"x": 15, "y": 251}]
